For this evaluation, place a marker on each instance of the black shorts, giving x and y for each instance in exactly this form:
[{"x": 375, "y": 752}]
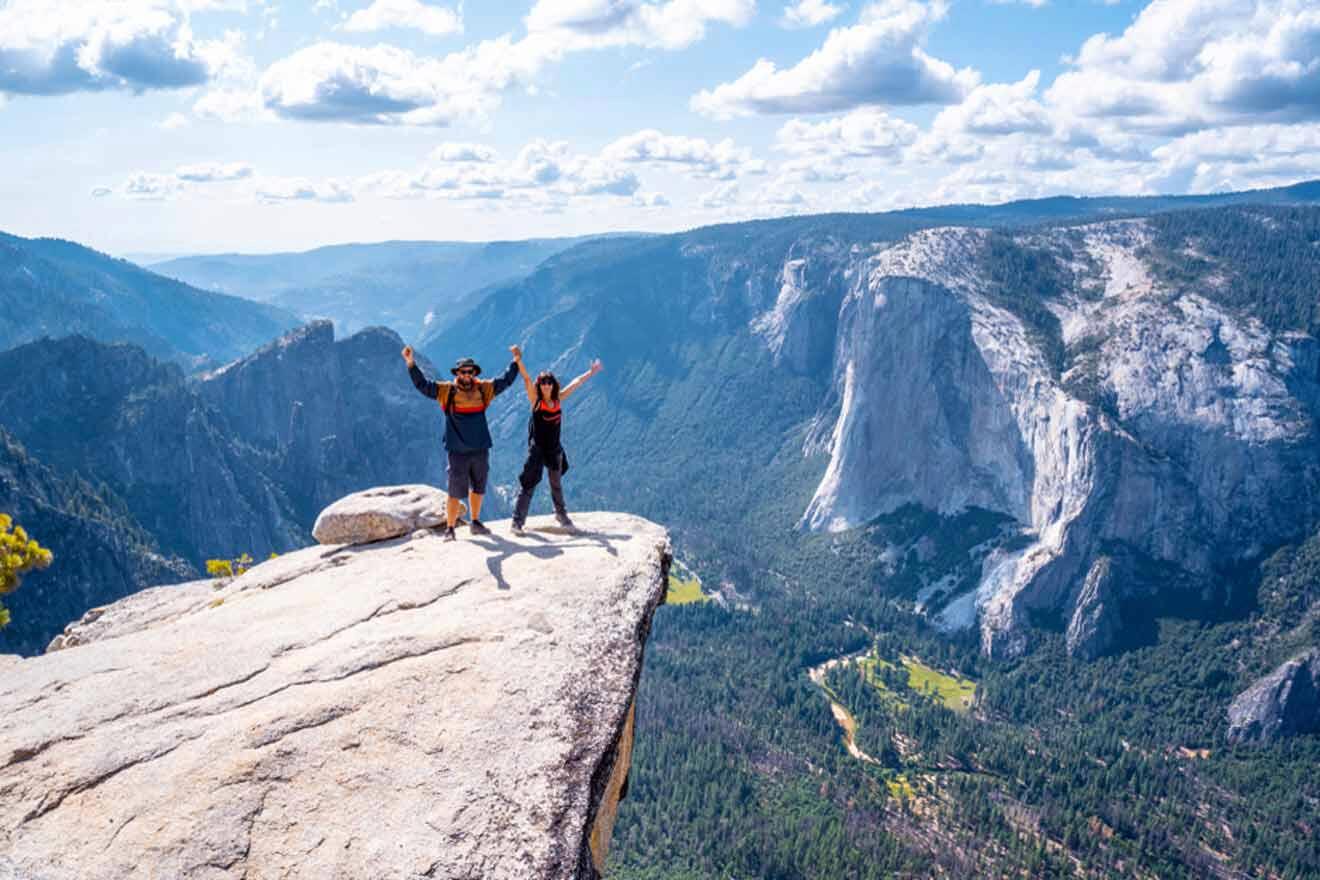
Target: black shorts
[{"x": 467, "y": 473}]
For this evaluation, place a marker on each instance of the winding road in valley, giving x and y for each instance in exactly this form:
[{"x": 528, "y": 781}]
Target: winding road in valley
[{"x": 841, "y": 713}]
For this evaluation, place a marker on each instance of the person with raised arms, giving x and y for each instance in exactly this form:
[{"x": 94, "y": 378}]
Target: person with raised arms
[
  {"x": 467, "y": 435},
  {"x": 544, "y": 451}
]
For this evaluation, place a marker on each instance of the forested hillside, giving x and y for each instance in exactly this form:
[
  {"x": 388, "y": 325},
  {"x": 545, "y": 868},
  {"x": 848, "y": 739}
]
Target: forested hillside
[
  {"x": 727, "y": 353},
  {"x": 411, "y": 286},
  {"x": 53, "y": 288}
]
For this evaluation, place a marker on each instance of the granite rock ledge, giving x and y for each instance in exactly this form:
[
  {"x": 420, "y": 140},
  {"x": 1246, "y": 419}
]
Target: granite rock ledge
[{"x": 404, "y": 709}]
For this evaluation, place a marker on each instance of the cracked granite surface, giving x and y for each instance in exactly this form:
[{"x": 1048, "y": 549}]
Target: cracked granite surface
[{"x": 411, "y": 708}]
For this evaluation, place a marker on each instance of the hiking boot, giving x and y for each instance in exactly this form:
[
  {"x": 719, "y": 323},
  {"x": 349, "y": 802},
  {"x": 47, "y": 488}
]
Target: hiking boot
[
  {"x": 478, "y": 527},
  {"x": 563, "y": 520},
  {"x": 517, "y": 529},
  {"x": 448, "y": 534}
]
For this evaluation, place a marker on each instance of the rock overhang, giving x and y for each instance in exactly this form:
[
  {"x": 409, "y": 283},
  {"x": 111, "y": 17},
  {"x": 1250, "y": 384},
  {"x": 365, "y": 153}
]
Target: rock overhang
[{"x": 413, "y": 707}]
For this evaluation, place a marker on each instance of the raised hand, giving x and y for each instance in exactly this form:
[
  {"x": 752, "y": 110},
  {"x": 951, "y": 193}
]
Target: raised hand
[
  {"x": 516, "y": 352},
  {"x": 596, "y": 366},
  {"x": 408, "y": 355}
]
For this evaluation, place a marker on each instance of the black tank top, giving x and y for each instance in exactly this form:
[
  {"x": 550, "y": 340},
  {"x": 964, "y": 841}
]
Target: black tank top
[{"x": 546, "y": 418}]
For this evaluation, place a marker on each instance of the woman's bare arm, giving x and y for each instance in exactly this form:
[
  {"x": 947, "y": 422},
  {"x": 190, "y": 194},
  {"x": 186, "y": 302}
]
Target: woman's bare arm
[
  {"x": 578, "y": 382},
  {"x": 526, "y": 377}
]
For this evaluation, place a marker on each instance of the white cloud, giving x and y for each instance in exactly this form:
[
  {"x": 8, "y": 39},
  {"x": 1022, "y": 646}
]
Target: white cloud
[
  {"x": 452, "y": 152},
  {"x": 173, "y": 122},
  {"x": 722, "y": 196},
  {"x": 100, "y": 192},
  {"x": 597, "y": 178},
  {"x": 777, "y": 197},
  {"x": 959, "y": 134},
  {"x": 298, "y": 189},
  {"x": 541, "y": 163},
  {"x": 135, "y": 45},
  {"x": 386, "y": 85},
  {"x": 438, "y": 21},
  {"x": 234, "y": 104},
  {"x": 1045, "y": 157},
  {"x": 1239, "y": 158},
  {"x": 954, "y": 148},
  {"x": 668, "y": 24},
  {"x": 143, "y": 186},
  {"x": 721, "y": 161},
  {"x": 809, "y": 13},
  {"x": 863, "y": 132},
  {"x": 1183, "y": 65},
  {"x": 816, "y": 169},
  {"x": 650, "y": 200},
  {"x": 999, "y": 109},
  {"x": 543, "y": 172},
  {"x": 209, "y": 172},
  {"x": 877, "y": 61}
]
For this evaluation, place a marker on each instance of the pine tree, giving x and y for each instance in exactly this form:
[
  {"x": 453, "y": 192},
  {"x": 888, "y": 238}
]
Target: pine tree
[{"x": 19, "y": 554}]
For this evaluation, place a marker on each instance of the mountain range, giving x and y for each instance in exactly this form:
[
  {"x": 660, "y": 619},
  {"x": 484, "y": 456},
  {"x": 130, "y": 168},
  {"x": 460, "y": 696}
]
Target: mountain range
[
  {"x": 415, "y": 287},
  {"x": 52, "y": 288},
  {"x": 1057, "y": 455},
  {"x": 239, "y": 460}
]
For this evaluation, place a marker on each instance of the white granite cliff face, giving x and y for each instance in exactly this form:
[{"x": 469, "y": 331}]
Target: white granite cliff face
[
  {"x": 409, "y": 708},
  {"x": 1177, "y": 435}
]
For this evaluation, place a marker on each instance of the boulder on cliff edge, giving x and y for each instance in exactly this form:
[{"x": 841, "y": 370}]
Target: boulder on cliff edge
[
  {"x": 380, "y": 514},
  {"x": 405, "y": 709}
]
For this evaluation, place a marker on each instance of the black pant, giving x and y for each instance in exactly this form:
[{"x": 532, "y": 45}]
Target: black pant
[{"x": 531, "y": 475}]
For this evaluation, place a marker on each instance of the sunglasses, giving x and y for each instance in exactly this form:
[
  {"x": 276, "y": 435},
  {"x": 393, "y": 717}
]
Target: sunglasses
[
  {"x": 467, "y": 372},
  {"x": 547, "y": 381}
]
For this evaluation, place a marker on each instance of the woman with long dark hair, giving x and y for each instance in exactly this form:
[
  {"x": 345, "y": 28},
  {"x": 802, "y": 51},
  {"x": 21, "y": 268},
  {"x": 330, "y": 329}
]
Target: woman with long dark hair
[{"x": 544, "y": 451}]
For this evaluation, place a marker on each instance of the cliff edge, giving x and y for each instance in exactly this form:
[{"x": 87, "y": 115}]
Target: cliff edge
[{"x": 403, "y": 709}]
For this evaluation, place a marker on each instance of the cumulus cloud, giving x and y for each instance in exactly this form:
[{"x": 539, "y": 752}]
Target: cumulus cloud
[
  {"x": 542, "y": 162},
  {"x": 817, "y": 169},
  {"x": 210, "y": 172},
  {"x": 667, "y": 24},
  {"x": 382, "y": 85},
  {"x": 275, "y": 190},
  {"x": 722, "y": 196},
  {"x": 864, "y": 132},
  {"x": 999, "y": 109},
  {"x": 1239, "y": 158},
  {"x": 809, "y": 13},
  {"x": 543, "y": 172},
  {"x": 453, "y": 152},
  {"x": 229, "y": 104},
  {"x": 1184, "y": 65},
  {"x": 136, "y": 45},
  {"x": 389, "y": 85},
  {"x": 144, "y": 186},
  {"x": 877, "y": 61},
  {"x": 777, "y": 197},
  {"x": 701, "y": 158},
  {"x": 650, "y": 200},
  {"x": 438, "y": 21},
  {"x": 959, "y": 134}
]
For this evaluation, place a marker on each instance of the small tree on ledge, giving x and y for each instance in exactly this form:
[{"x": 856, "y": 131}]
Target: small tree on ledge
[
  {"x": 226, "y": 568},
  {"x": 19, "y": 554}
]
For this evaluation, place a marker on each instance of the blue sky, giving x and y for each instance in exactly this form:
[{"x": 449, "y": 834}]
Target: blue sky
[{"x": 185, "y": 126}]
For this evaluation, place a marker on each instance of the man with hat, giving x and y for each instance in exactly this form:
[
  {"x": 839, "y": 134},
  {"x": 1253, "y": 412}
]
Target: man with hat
[{"x": 467, "y": 436}]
